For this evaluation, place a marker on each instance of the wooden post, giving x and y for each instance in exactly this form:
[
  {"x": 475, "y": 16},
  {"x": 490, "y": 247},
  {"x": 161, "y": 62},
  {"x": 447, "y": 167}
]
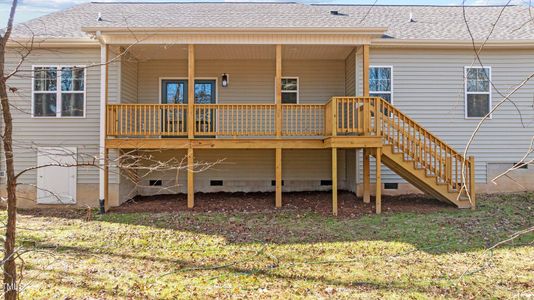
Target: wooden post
[
  {"x": 334, "y": 181},
  {"x": 191, "y": 91},
  {"x": 106, "y": 180},
  {"x": 190, "y": 178},
  {"x": 278, "y": 89},
  {"x": 278, "y": 177},
  {"x": 366, "y": 177},
  {"x": 334, "y": 116},
  {"x": 378, "y": 193},
  {"x": 365, "y": 72},
  {"x": 103, "y": 175},
  {"x": 472, "y": 192}
]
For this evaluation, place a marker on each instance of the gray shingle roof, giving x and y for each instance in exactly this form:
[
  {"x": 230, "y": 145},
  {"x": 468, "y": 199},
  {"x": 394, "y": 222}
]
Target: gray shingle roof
[{"x": 430, "y": 22}]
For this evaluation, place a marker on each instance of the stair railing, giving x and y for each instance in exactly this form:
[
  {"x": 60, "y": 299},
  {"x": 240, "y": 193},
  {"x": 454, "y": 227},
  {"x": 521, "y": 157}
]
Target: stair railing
[{"x": 376, "y": 117}]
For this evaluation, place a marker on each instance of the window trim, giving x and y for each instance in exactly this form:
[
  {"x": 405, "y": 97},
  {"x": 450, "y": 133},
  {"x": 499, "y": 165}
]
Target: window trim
[
  {"x": 489, "y": 92},
  {"x": 297, "y": 91},
  {"x": 391, "y": 84},
  {"x": 59, "y": 92}
]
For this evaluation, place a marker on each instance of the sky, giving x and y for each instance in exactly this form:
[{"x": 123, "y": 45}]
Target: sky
[{"x": 29, "y": 9}]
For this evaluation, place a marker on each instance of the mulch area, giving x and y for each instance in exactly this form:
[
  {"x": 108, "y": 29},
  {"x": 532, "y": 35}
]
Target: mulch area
[{"x": 320, "y": 202}]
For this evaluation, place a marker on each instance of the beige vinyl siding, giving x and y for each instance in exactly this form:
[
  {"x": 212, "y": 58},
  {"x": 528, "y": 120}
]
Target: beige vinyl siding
[
  {"x": 350, "y": 74},
  {"x": 128, "y": 77},
  {"x": 114, "y": 74},
  {"x": 319, "y": 80},
  {"x": 251, "y": 81},
  {"x": 429, "y": 87},
  {"x": 30, "y": 133}
]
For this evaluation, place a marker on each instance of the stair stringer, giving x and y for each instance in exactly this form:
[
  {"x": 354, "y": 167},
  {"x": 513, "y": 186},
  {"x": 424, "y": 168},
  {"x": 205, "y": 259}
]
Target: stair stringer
[{"x": 418, "y": 177}]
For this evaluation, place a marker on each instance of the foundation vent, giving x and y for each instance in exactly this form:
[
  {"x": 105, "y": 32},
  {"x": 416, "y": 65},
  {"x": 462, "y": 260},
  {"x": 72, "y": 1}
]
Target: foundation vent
[
  {"x": 273, "y": 183},
  {"x": 391, "y": 186},
  {"x": 216, "y": 183},
  {"x": 326, "y": 182},
  {"x": 521, "y": 165},
  {"x": 155, "y": 182}
]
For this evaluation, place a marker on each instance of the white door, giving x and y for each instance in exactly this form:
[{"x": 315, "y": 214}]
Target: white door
[{"x": 56, "y": 184}]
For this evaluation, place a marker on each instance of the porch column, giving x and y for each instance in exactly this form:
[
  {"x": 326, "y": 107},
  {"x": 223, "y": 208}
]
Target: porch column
[
  {"x": 365, "y": 73},
  {"x": 190, "y": 91},
  {"x": 366, "y": 177},
  {"x": 190, "y": 124},
  {"x": 190, "y": 178},
  {"x": 103, "y": 175},
  {"x": 278, "y": 124},
  {"x": 278, "y": 177},
  {"x": 366, "y": 159},
  {"x": 378, "y": 193},
  {"x": 278, "y": 89},
  {"x": 334, "y": 181}
]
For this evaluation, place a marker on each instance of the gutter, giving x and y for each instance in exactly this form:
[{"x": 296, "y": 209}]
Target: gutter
[
  {"x": 54, "y": 42},
  {"x": 240, "y": 30},
  {"x": 394, "y": 43}
]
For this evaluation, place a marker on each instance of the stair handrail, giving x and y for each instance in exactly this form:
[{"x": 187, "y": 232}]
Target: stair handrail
[{"x": 467, "y": 174}]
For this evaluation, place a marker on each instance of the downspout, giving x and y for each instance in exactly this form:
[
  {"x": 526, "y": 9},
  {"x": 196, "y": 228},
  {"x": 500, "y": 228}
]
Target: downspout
[{"x": 102, "y": 137}]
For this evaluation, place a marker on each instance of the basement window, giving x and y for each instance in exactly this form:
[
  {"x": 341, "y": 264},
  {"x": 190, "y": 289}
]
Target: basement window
[{"x": 58, "y": 91}]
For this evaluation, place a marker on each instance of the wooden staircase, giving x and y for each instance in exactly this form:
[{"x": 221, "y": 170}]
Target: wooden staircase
[{"x": 411, "y": 151}]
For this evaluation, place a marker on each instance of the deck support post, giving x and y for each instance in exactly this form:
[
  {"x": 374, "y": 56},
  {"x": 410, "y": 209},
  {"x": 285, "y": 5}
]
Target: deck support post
[
  {"x": 278, "y": 89},
  {"x": 378, "y": 193},
  {"x": 190, "y": 178},
  {"x": 278, "y": 177},
  {"x": 190, "y": 91},
  {"x": 106, "y": 180},
  {"x": 334, "y": 181},
  {"x": 103, "y": 174},
  {"x": 366, "y": 177}
]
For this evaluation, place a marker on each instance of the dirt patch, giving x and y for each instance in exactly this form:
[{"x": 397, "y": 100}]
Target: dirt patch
[{"x": 348, "y": 203}]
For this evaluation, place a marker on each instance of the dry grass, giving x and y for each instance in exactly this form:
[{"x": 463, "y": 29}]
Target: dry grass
[{"x": 291, "y": 253}]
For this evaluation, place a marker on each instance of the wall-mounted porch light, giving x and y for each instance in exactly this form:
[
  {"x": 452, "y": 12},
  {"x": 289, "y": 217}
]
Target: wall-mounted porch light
[{"x": 225, "y": 80}]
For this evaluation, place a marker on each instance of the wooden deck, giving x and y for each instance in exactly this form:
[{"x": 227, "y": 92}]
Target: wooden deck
[{"x": 343, "y": 122}]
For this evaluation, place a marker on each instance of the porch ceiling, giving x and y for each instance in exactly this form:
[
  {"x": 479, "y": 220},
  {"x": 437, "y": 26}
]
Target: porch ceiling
[{"x": 149, "y": 52}]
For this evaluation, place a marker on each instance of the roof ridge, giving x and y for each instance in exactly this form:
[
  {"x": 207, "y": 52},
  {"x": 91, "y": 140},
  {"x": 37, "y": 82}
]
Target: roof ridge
[{"x": 196, "y": 2}]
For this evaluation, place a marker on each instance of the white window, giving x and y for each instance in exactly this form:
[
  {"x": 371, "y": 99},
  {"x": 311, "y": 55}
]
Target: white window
[
  {"x": 477, "y": 91},
  {"x": 381, "y": 82},
  {"x": 290, "y": 90},
  {"x": 58, "y": 91}
]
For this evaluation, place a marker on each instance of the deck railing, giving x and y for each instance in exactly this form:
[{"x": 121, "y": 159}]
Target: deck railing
[
  {"x": 214, "y": 120},
  {"x": 234, "y": 119},
  {"x": 135, "y": 120}
]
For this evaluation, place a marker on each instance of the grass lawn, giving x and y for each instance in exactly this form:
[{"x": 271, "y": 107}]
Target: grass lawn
[{"x": 288, "y": 253}]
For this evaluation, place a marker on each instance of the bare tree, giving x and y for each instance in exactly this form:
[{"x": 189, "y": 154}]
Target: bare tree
[{"x": 10, "y": 271}]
